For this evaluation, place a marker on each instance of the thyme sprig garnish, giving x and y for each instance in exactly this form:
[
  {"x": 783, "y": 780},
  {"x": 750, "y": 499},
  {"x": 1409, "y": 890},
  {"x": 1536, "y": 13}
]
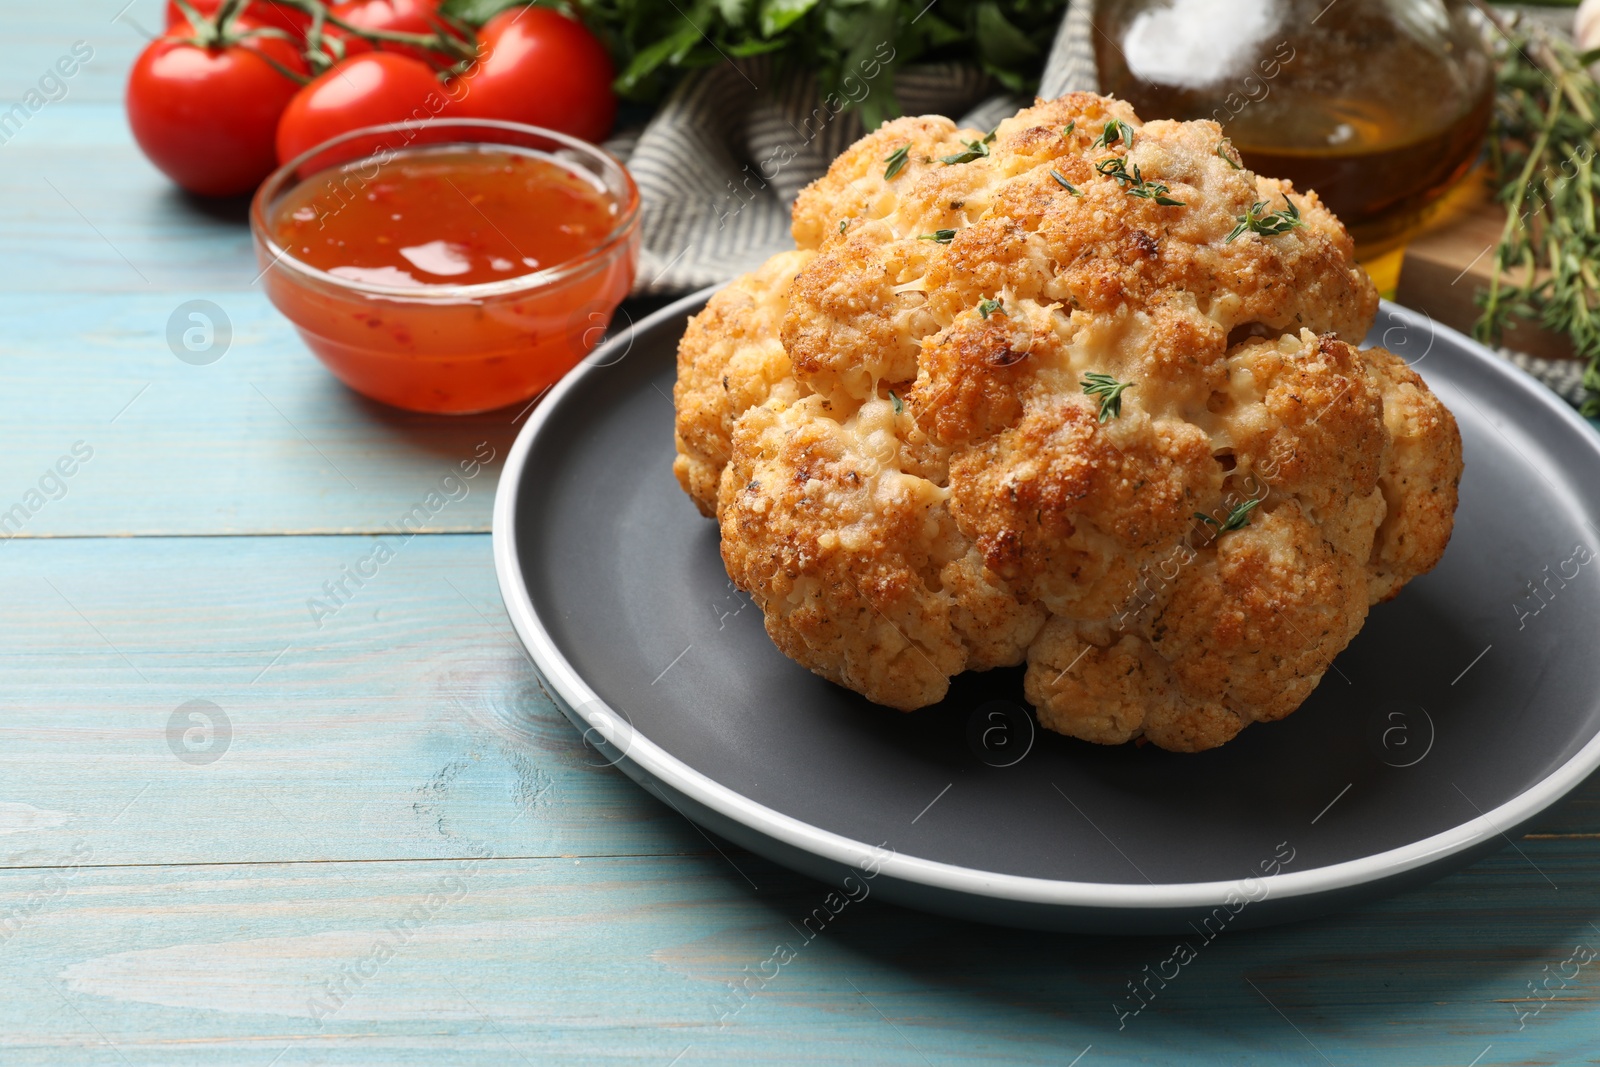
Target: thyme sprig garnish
[
  {"x": 896, "y": 160},
  {"x": 1237, "y": 519},
  {"x": 1109, "y": 390},
  {"x": 1542, "y": 148},
  {"x": 1229, "y": 160},
  {"x": 974, "y": 150},
  {"x": 942, "y": 237},
  {"x": 1267, "y": 223},
  {"x": 1068, "y": 186},
  {"x": 899, "y": 405},
  {"x": 987, "y": 307},
  {"x": 1116, "y": 131},
  {"x": 1134, "y": 183}
]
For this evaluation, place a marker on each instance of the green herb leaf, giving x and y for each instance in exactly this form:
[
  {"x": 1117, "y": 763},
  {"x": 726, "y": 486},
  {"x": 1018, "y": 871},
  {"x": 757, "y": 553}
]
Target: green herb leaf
[
  {"x": 1109, "y": 390},
  {"x": 668, "y": 51},
  {"x": 1068, "y": 186},
  {"x": 1003, "y": 48},
  {"x": 733, "y": 11},
  {"x": 1229, "y": 160},
  {"x": 843, "y": 225},
  {"x": 987, "y": 307},
  {"x": 896, "y": 160},
  {"x": 476, "y": 12},
  {"x": 943, "y": 237},
  {"x": 1115, "y": 131},
  {"x": 1237, "y": 519},
  {"x": 899, "y": 406},
  {"x": 1134, "y": 183},
  {"x": 779, "y": 15},
  {"x": 1069, "y": 127},
  {"x": 1268, "y": 224},
  {"x": 940, "y": 32},
  {"x": 754, "y": 48},
  {"x": 975, "y": 150}
]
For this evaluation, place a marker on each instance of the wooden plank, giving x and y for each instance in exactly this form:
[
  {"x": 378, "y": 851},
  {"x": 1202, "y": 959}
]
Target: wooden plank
[
  {"x": 585, "y": 961},
  {"x": 370, "y": 736},
  {"x": 1449, "y": 266},
  {"x": 81, "y": 210},
  {"x": 37, "y": 35},
  {"x": 262, "y": 441}
]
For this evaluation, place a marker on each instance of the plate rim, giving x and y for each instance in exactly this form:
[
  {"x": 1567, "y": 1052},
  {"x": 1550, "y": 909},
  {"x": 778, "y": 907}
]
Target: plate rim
[{"x": 583, "y": 702}]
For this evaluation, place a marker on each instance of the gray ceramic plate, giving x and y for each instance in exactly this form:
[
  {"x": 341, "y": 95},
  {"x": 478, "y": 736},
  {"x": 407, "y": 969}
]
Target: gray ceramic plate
[{"x": 1467, "y": 706}]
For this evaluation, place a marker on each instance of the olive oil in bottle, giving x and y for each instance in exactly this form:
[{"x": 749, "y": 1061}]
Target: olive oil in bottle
[{"x": 1378, "y": 105}]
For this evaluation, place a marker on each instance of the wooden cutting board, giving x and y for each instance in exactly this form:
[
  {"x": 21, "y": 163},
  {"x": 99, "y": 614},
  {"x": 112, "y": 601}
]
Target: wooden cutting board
[{"x": 1448, "y": 265}]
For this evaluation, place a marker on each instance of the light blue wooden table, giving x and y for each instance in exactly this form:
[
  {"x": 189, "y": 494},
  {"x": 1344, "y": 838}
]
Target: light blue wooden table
[{"x": 350, "y": 865}]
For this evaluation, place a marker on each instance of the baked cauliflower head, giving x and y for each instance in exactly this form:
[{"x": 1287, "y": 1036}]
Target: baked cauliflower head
[{"x": 1083, "y": 394}]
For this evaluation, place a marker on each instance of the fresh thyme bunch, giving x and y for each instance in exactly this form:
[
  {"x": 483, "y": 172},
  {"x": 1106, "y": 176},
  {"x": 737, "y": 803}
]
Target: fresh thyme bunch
[{"x": 1542, "y": 150}]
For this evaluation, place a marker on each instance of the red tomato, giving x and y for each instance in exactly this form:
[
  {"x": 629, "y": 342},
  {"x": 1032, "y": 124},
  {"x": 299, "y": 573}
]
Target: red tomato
[
  {"x": 207, "y": 117},
  {"x": 281, "y": 16},
  {"x": 540, "y": 67},
  {"x": 395, "y": 16},
  {"x": 371, "y": 89}
]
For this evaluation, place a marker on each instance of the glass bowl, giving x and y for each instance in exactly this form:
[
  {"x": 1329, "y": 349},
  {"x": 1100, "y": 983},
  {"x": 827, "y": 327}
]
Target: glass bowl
[{"x": 449, "y": 349}]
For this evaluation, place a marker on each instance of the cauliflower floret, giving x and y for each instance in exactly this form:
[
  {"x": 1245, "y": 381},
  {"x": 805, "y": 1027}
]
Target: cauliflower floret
[
  {"x": 1421, "y": 471},
  {"x": 856, "y": 562},
  {"x": 729, "y": 361},
  {"x": 896, "y": 429}
]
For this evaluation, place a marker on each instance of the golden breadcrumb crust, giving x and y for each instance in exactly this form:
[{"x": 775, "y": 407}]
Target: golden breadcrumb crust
[{"x": 891, "y": 427}]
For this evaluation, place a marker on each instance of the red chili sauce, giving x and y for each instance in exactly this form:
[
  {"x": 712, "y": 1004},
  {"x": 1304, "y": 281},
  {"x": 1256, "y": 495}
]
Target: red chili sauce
[{"x": 426, "y": 224}]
